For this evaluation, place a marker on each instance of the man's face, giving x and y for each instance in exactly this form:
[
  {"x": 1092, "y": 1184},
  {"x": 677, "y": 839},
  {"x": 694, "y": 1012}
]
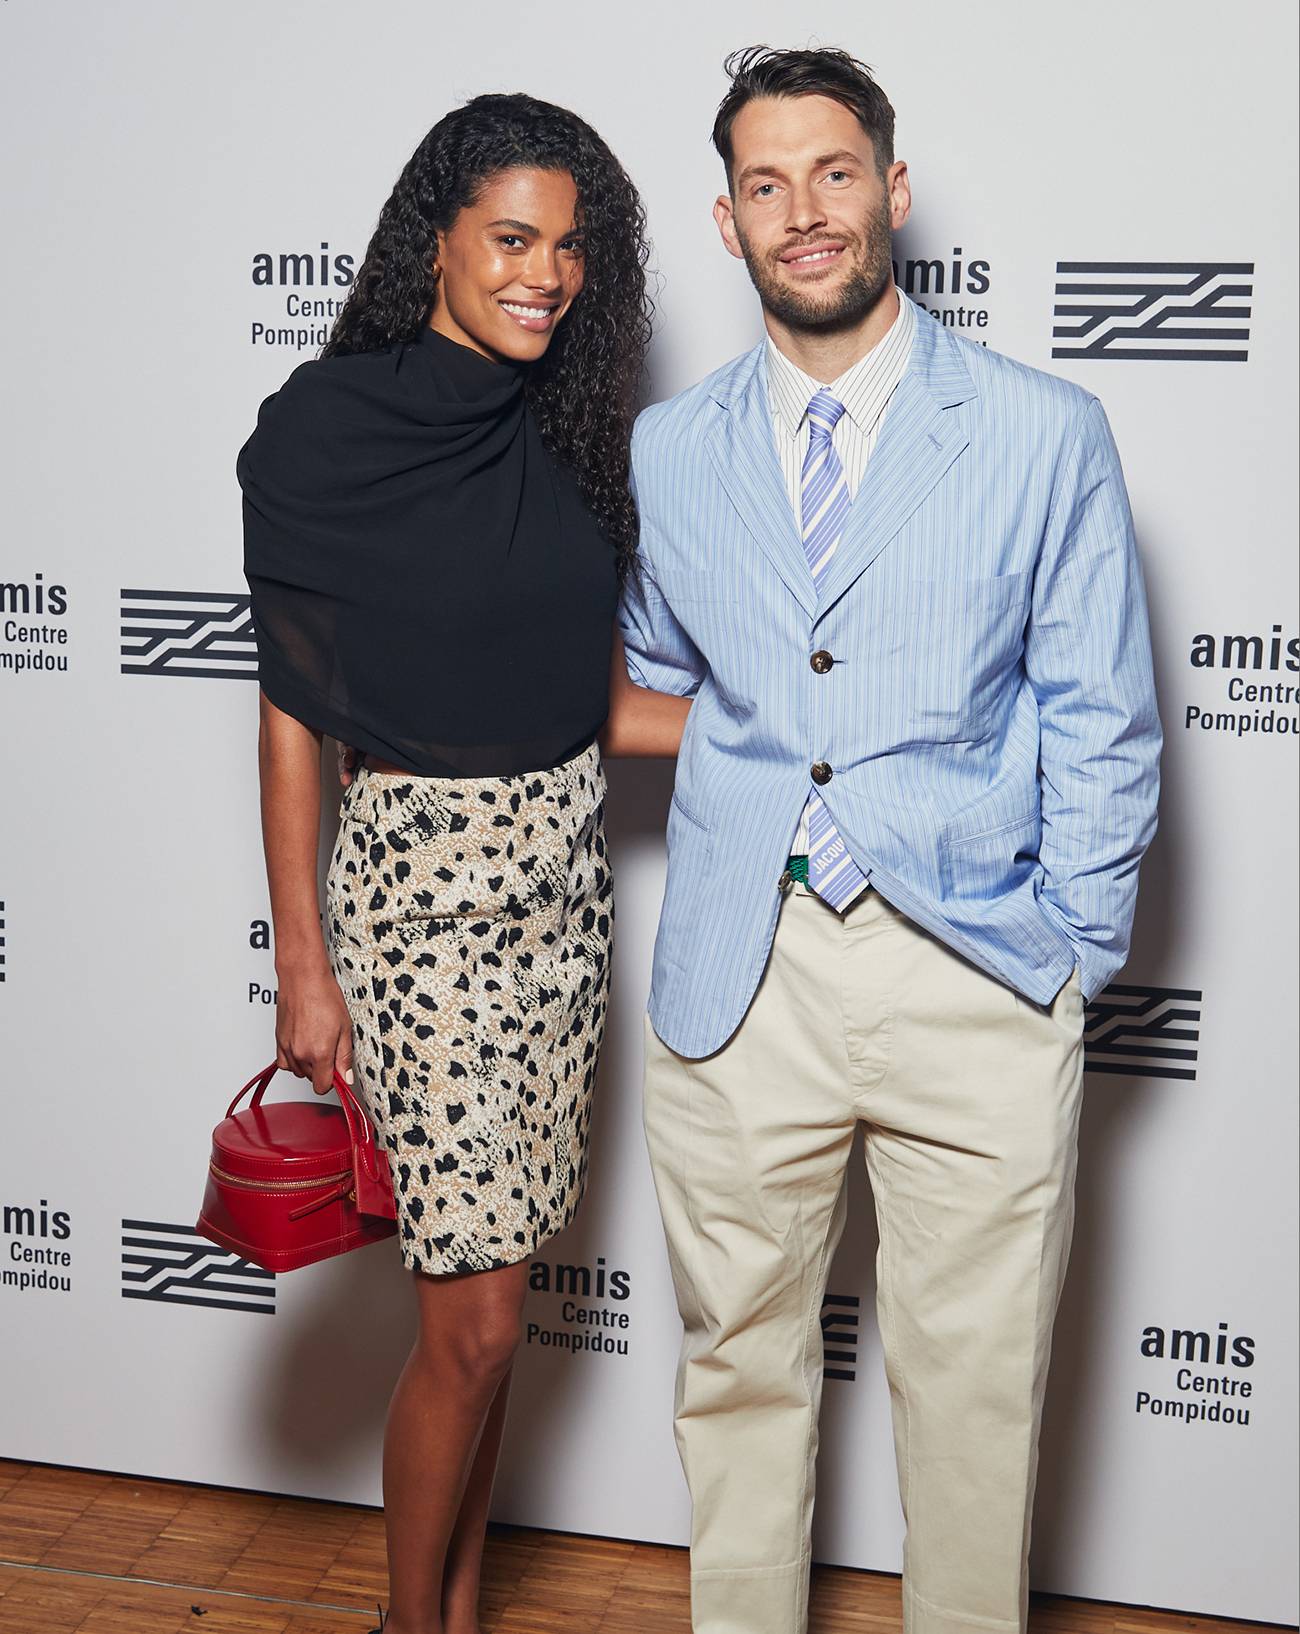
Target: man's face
[{"x": 810, "y": 212}]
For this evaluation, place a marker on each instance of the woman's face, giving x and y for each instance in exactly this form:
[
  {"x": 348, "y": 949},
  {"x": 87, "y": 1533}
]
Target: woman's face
[{"x": 510, "y": 266}]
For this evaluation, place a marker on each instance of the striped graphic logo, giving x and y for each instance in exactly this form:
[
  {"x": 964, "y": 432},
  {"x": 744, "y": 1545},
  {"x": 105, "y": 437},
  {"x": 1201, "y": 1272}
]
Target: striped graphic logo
[
  {"x": 1143, "y": 1032},
  {"x": 186, "y": 632},
  {"x": 840, "y": 1313},
  {"x": 173, "y": 1264},
  {"x": 1194, "y": 311}
]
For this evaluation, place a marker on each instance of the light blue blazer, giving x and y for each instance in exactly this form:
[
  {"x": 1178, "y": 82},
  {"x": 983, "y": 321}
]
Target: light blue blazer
[{"x": 990, "y": 717}]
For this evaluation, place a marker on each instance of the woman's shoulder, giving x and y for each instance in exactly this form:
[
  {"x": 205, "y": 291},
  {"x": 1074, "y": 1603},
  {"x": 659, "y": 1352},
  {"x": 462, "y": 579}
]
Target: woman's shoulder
[
  {"x": 324, "y": 385},
  {"x": 305, "y": 425}
]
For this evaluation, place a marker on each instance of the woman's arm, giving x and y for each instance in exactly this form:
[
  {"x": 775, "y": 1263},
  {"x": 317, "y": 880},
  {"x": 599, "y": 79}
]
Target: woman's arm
[
  {"x": 313, "y": 1032},
  {"x": 640, "y": 722}
]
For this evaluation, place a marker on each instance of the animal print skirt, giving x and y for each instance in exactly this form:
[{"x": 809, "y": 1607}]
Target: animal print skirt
[{"x": 470, "y": 928}]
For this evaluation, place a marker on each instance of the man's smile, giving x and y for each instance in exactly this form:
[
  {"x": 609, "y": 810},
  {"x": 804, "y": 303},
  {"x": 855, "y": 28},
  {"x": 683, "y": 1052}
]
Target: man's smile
[{"x": 812, "y": 257}]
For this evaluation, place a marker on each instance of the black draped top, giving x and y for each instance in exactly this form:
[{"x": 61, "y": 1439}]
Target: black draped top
[{"x": 427, "y": 583}]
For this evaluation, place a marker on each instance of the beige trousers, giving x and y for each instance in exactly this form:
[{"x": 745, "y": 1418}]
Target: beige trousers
[{"x": 969, "y": 1098}]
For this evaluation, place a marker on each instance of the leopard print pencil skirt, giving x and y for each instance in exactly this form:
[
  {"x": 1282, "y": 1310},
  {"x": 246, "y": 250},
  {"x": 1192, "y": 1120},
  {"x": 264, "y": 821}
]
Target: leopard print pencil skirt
[{"x": 470, "y": 928}]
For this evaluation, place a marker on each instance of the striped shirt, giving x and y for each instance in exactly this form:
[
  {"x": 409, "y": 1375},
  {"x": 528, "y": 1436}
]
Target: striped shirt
[{"x": 865, "y": 389}]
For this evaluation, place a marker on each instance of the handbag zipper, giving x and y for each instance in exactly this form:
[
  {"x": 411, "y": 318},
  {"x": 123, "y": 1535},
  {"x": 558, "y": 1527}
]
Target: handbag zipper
[{"x": 279, "y": 1185}]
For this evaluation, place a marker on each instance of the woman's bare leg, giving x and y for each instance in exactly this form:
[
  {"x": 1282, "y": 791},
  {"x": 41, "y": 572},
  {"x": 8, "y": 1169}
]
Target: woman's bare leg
[
  {"x": 438, "y": 1421},
  {"x": 460, "y": 1578}
]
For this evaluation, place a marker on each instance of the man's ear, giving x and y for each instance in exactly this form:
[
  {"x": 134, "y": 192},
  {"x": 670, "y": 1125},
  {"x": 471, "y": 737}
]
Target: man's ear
[
  {"x": 898, "y": 189},
  {"x": 725, "y": 216}
]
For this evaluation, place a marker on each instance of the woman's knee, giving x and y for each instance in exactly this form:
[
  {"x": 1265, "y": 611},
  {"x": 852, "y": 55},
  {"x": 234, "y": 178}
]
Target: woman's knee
[
  {"x": 487, "y": 1348},
  {"x": 476, "y": 1336}
]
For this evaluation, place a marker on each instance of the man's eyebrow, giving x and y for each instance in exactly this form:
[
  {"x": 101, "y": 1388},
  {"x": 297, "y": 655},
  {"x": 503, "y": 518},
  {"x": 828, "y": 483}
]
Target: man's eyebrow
[{"x": 751, "y": 171}]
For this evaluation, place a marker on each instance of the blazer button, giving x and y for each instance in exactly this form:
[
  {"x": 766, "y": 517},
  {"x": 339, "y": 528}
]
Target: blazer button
[
  {"x": 821, "y": 661},
  {"x": 821, "y": 772}
]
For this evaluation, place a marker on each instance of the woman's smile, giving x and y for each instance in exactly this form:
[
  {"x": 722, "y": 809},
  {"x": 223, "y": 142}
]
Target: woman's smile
[{"x": 538, "y": 317}]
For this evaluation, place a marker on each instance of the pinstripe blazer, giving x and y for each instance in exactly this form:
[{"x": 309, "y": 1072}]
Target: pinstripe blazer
[{"x": 990, "y": 716}]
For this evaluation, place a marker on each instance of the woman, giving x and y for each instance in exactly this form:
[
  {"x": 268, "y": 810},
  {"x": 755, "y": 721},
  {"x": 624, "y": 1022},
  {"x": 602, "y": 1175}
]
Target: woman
[{"x": 437, "y": 516}]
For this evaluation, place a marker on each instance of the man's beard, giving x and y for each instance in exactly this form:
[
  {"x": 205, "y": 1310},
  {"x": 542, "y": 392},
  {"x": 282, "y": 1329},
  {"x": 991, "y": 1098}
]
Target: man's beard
[{"x": 845, "y": 306}]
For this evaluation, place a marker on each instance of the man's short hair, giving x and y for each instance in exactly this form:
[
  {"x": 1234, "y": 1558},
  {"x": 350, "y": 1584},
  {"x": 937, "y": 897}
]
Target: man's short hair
[{"x": 760, "y": 70}]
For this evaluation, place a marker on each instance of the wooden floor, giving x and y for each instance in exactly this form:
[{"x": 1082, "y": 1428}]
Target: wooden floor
[{"x": 83, "y": 1552}]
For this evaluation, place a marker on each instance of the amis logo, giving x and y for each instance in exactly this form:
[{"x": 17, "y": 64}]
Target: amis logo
[
  {"x": 939, "y": 285},
  {"x": 590, "y": 1318},
  {"x": 580, "y": 1281},
  {"x": 1154, "y": 311},
  {"x": 21, "y": 1220},
  {"x": 36, "y": 599},
  {"x": 1204, "y": 1387},
  {"x": 1259, "y": 652},
  {"x": 314, "y": 269},
  {"x": 32, "y": 636},
  {"x": 296, "y": 276},
  {"x": 1198, "y": 1345},
  {"x": 1272, "y": 703},
  {"x": 259, "y": 939},
  {"x": 34, "y": 1259}
]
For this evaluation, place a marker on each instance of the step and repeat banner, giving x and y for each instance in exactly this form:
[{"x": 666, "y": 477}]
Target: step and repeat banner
[{"x": 1108, "y": 194}]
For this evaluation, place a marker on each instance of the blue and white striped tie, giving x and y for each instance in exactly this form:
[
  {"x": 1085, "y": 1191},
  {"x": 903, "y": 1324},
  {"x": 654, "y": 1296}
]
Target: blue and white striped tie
[{"x": 832, "y": 872}]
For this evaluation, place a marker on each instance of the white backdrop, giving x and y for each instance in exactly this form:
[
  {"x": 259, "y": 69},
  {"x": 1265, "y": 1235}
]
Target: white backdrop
[{"x": 160, "y": 158}]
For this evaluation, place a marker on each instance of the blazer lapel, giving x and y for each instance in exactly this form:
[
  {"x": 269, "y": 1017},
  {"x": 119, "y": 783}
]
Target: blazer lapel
[
  {"x": 742, "y": 447},
  {"x": 921, "y": 437}
]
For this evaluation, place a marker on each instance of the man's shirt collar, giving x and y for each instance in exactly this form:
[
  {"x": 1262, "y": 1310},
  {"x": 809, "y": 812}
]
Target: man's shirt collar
[{"x": 864, "y": 388}]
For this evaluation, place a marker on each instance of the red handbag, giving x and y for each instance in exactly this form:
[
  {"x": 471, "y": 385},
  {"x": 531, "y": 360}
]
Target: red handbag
[{"x": 294, "y": 1182}]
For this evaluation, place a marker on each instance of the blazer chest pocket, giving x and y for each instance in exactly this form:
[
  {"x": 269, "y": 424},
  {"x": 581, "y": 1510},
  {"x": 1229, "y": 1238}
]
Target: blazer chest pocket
[{"x": 962, "y": 640}]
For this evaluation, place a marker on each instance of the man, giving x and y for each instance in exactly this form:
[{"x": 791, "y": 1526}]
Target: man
[{"x": 896, "y": 573}]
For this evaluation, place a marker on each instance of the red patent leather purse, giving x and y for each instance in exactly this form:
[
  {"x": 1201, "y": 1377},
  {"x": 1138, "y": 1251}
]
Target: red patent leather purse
[{"x": 294, "y": 1182}]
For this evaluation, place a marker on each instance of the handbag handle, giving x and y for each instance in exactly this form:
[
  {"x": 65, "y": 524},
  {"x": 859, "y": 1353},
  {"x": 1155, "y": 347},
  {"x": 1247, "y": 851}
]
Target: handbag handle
[
  {"x": 372, "y": 1188},
  {"x": 360, "y": 1130}
]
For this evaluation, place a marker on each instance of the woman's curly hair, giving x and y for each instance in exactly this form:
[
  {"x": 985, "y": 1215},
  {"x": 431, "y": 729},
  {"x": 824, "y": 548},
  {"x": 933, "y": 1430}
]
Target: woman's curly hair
[{"x": 583, "y": 390}]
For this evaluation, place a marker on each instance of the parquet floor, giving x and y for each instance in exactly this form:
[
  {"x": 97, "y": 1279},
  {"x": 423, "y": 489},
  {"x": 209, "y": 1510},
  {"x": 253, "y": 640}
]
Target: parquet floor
[{"x": 83, "y": 1552}]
